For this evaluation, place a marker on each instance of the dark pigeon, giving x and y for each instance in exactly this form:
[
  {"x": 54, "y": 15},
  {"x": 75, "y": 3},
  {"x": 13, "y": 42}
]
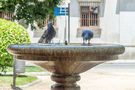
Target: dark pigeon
[
  {"x": 48, "y": 35},
  {"x": 87, "y": 35}
]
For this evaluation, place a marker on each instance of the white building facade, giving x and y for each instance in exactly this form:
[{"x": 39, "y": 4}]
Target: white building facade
[{"x": 112, "y": 21}]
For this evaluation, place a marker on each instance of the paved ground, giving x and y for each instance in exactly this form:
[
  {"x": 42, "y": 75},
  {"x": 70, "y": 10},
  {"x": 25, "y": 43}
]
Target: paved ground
[
  {"x": 116, "y": 75},
  {"x": 94, "y": 81}
]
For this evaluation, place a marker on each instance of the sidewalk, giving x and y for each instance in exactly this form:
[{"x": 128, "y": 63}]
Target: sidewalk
[{"x": 113, "y": 75}]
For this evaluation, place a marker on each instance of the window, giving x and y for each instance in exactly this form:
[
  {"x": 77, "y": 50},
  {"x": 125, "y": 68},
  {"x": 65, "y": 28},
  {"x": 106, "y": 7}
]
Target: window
[{"x": 89, "y": 13}]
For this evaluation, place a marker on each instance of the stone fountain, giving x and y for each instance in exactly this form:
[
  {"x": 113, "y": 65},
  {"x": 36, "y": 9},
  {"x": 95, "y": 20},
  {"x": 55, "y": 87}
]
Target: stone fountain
[{"x": 66, "y": 62}]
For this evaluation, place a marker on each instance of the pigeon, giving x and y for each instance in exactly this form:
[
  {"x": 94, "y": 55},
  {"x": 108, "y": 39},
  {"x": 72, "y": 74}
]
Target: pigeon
[
  {"x": 48, "y": 34},
  {"x": 87, "y": 35}
]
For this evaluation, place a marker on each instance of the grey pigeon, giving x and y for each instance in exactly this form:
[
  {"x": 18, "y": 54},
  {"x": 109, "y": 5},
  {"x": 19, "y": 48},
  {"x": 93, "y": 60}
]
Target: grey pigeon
[
  {"x": 87, "y": 35},
  {"x": 48, "y": 35}
]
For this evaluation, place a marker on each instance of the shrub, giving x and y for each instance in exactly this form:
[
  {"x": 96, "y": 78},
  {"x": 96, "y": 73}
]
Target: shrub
[{"x": 10, "y": 33}]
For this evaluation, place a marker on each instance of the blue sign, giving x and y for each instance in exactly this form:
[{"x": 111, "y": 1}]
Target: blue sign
[{"x": 60, "y": 11}]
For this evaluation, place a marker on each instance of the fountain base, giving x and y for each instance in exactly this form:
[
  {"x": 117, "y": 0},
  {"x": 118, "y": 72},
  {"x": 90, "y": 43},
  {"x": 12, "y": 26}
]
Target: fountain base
[{"x": 65, "y": 82}]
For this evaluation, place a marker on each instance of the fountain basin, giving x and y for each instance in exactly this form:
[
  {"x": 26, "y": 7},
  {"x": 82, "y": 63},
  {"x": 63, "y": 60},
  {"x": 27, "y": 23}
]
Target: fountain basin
[
  {"x": 43, "y": 52},
  {"x": 66, "y": 62}
]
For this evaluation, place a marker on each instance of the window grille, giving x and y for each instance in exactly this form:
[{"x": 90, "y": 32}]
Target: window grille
[{"x": 89, "y": 13}]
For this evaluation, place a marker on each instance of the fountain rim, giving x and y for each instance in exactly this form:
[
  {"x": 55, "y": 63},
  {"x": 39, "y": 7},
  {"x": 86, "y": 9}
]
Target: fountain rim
[{"x": 32, "y": 48}]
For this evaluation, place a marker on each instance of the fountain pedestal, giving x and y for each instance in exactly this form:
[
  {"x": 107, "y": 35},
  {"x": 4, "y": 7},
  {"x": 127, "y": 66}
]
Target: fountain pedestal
[
  {"x": 65, "y": 82},
  {"x": 66, "y": 62}
]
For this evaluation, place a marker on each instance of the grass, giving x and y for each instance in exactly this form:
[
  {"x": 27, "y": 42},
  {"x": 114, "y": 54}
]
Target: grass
[
  {"x": 7, "y": 80},
  {"x": 28, "y": 69},
  {"x": 22, "y": 80},
  {"x": 34, "y": 69}
]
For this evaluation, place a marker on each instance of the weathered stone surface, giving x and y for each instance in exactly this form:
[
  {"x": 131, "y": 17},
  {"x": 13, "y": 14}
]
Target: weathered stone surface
[{"x": 66, "y": 62}]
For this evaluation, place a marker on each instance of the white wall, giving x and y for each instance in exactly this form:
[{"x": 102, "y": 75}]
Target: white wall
[
  {"x": 127, "y": 22},
  {"x": 61, "y": 27},
  {"x": 74, "y": 23},
  {"x": 109, "y": 22},
  {"x": 62, "y": 24},
  {"x": 116, "y": 21},
  {"x": 127, "y": 28},
  {"x": 74, "y": 20}
]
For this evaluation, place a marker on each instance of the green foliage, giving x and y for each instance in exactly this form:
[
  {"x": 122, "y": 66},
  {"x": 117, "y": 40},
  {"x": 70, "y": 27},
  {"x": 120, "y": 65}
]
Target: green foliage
[
  {"x": 6, "y": 80},
  {"x": 28, "y": 69},
  {"x": 10, "y": 33},
  {"x": 30, "y": 10}
]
